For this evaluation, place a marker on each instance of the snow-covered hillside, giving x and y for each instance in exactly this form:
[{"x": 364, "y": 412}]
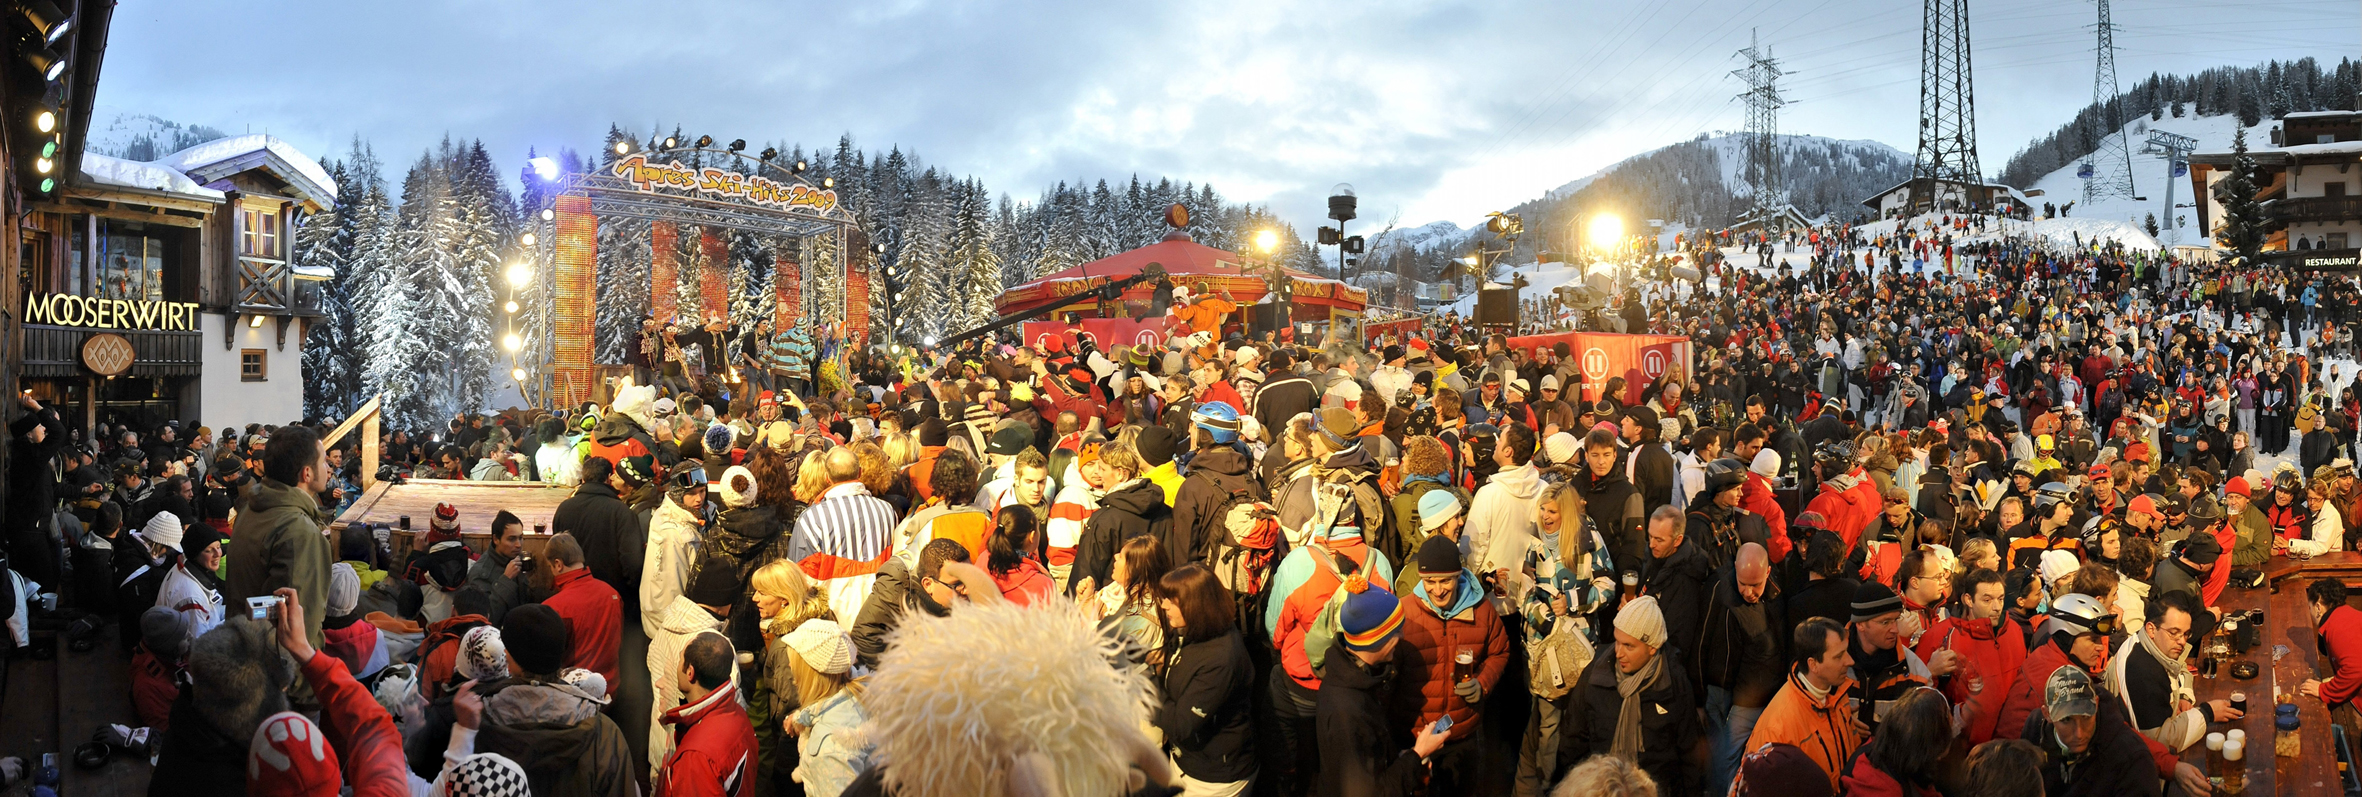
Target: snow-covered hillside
[
  {"x": 145, "y": 137},
  {"x": 2149, "y": 176}
]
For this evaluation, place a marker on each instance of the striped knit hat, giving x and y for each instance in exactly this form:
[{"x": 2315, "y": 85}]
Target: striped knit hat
[{"x": 1370, "y": 616}]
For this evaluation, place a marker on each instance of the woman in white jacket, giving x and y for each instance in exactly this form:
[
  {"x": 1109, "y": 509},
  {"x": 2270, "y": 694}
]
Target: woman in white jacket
[
  {"x": 192, "y": 589},
  {"x": 2329, "y": 529}
]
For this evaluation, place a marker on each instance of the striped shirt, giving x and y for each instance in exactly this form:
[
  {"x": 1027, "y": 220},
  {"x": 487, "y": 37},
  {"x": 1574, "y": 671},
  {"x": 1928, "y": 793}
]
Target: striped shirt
[
  {"x": 840, "y": 542},
  {"x": 791, "y": 354}
]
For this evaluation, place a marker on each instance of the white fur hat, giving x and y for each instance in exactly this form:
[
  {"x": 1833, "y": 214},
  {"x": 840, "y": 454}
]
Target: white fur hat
[{"x": 1766, "y": 464}]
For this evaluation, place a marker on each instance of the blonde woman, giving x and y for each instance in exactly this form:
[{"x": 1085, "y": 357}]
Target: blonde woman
[
  {"x": 1561, "y": 563},
  {"x": 830, "y": 746},
  {"x": 785, "y": 599}
]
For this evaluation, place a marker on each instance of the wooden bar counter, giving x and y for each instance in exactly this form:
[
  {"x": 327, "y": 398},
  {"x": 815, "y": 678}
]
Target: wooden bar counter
[
  {"x": 2287, "y": 623},
  {"x": 477, "y": 502}
]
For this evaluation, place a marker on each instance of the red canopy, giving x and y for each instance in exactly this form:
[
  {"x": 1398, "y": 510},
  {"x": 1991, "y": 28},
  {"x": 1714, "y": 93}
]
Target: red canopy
[{"x": 1190, "y": 264}]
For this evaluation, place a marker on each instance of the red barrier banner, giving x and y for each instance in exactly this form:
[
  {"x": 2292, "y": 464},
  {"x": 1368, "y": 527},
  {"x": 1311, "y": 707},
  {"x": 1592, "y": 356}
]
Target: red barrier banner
[
  {"x": 1639, "y": 359},
  {"x": 1106, "y": 332}
]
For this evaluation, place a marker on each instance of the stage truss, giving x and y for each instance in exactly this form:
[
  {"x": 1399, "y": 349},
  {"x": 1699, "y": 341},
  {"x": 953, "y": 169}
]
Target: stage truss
[{"x": 608, "y": 247}]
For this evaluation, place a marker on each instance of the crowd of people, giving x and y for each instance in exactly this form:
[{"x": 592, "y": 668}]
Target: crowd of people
[{"x": 1902, "y": 531}]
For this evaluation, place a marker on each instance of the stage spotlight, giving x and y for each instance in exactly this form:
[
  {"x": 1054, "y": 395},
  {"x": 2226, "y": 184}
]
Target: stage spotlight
[
  {"x": 512, "y": 342},
  {"x": 43, "y": 164},
  {"x": 672, "y": 142},
  {"x": 512, "y": 305},
  {"x": 46, "y": 63},
  {"x": 623, "y": 147},
  {"x": 544, "y": 168},
  {"x": 704, "y": 141},
  {"x": 517, "y": 374},
  {"x": 930, "y": 340},
  {"x": 828, "y": 182},
  {"x": 799, "y": 168},
  {"x": 548, "y": 213},
  {"x": 526, "y": 239},
  {"x": 47, "y": 21},
  {"x": 737, "y": 144},
  {"x": 519, "y": 274},
  {"x": 1266, "y": 240},
  {"x": 770, "y": 152}
]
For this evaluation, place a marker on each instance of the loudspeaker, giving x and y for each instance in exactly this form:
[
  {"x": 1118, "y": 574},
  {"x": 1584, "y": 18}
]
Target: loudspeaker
[
  {"x": 1266, "y": 317},
  {"x": 1496, "y": 306}
]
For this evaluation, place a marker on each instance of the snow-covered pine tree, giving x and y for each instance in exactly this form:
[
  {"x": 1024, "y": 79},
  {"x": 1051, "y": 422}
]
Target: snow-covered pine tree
[
  {"x": 973, "y": 253},
  {"x": 410, "y": 356},
  {"x": 2243, "y": 216},
  {"x": 485, "y": 223},
  {"x": 622, "y": 288},
  {"x": 323, "y": 241},
  {"x": 2150, "y": 224},
  {"x": 372, "y": 268}
]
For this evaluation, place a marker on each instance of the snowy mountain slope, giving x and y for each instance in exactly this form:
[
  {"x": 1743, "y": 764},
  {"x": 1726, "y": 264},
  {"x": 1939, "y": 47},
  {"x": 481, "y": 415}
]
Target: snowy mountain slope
[
  {"x": 145, "y": 137},
  {"x": 2148, "y": 176}
]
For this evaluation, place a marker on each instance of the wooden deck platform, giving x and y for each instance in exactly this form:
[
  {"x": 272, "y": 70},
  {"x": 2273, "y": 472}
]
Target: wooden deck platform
[{"x": 477, "y": 502}]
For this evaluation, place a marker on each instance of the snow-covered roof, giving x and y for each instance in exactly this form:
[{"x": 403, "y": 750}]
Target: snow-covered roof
[
  {"x": 219, "y": 158},
  {"x": 2317, "y": 114},
  {"x": 105, "y": 170},
  {"x": 316, "y": 272},
  {"x": 2332, "y": 148}
]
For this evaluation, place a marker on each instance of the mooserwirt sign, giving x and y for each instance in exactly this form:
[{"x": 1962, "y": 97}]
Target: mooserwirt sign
[{"x": 67, "y": 310}]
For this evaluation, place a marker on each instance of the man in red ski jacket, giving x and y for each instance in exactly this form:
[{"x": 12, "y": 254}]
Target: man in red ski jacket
[
  {"x": 714, "y": 750},
  {"x": 2340, "y": 627},
  {"x": 1990, "y": 650},
  {"x": 593, "y": 612}
]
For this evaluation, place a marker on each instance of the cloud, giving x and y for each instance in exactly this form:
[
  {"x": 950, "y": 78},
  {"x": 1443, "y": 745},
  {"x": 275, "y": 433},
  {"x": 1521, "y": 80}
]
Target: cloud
[{"x": 1431, "y": 109}]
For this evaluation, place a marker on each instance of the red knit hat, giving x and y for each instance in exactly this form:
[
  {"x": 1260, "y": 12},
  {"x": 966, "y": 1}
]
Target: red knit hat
[
  {"x": 290, "y": 757},
  {"x": 2237, "y": 486}
]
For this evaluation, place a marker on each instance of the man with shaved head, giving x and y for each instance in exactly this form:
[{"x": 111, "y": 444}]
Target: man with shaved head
[
  {"x": 842, "y": 539},
  {"x": 1739, "y": 659}
]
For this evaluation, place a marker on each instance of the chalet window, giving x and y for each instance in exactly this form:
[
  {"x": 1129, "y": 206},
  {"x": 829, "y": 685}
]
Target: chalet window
[
  {"x": 259, "y": 233},
  {"x": 251, "y": 366},
  {"x": 2325, "y": 138},
  {"x": 2337, "y": 240},
  {"x": 129, "y": 261},
  {"x": 2334, "y": 189}
]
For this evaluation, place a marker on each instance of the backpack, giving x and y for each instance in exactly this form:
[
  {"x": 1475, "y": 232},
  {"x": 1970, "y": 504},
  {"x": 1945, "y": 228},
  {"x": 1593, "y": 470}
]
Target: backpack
[{"x": 1244, "y": 551}]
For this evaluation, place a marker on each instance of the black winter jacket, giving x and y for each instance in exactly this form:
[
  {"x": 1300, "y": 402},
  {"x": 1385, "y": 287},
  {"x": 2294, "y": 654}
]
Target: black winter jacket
[
  {"x": 614, "y": 541},
  {"x": 1206, "y": 717},
  {"x": 1132, "y": 509},
  {"x": 1214, "y": 475},
  {"x": 894, "y": 594},
  {"x": 2116, "y": 762},
  {"x": 1681, "y": 582},
  {"x": 750, "y": 537},
  {"x": 1668, "y": 721},
  {"x": 1741, "y": 649},
  {"x": 1361, "y": 755},
  {"x": 1606, "y": 499}
]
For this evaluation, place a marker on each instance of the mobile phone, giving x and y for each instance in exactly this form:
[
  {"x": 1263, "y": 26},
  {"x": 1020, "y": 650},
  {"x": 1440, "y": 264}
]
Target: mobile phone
[
  {"x": 1444, "y": 724},
  {"x": 264, "y": 608}
]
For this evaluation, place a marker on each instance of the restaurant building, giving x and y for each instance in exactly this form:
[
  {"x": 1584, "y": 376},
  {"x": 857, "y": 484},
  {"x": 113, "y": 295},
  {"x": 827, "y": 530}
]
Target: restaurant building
[
  {"x": 167, "y": 289},
  {"x": 2308, "y": 184}
]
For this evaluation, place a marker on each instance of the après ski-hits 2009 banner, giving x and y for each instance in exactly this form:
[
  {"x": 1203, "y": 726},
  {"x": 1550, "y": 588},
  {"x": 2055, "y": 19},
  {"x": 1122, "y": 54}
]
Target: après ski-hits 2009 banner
[{"x": 723, "y": 184}]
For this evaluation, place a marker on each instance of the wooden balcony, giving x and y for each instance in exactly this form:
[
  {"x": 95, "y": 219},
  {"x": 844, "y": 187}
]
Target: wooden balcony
[
  {"x": 2315, "y": 208},
  {"x": 57, "y": 351},
  {"x": 267, "y": 287}
]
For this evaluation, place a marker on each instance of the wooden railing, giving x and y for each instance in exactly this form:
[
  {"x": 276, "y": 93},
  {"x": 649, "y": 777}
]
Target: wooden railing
[{"x": 365, "y": 420}]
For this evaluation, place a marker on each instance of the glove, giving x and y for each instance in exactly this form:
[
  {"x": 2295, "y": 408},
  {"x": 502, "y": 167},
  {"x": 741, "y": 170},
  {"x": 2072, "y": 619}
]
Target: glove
[{"x": 1470, "y": 690}]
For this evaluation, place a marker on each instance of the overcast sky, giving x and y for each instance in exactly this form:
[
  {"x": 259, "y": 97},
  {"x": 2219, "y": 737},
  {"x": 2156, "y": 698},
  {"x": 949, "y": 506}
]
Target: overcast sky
[{"x": 1432, "y": 110}]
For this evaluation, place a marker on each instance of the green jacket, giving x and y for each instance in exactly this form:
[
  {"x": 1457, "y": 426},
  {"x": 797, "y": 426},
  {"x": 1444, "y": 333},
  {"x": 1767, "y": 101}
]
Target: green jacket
[
  {"x": 276, "y": 542},
  {"x": 2254, "y": 544}
]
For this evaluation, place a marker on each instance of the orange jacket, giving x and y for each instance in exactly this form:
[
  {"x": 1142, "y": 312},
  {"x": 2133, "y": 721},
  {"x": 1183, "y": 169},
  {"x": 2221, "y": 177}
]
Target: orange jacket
[{"x": 1823, "y": 729}]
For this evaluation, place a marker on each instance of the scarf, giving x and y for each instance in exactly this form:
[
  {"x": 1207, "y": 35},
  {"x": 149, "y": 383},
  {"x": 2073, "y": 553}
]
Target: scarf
[{"x": 1629, "y": 687}]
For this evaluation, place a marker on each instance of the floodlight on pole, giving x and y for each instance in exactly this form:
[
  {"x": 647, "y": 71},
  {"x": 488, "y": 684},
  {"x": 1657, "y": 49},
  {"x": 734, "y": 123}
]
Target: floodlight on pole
[
  {"x": 544, "y": 168},
  {"x": 526, "y": 239},
  {"x": 1266, "y": 241},
  {"x": 1606, "y": 231},
  {"x": 511, "y": 342},
  {"x": 623, "y": 147},
  {"x": 519, "y": 274}
]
